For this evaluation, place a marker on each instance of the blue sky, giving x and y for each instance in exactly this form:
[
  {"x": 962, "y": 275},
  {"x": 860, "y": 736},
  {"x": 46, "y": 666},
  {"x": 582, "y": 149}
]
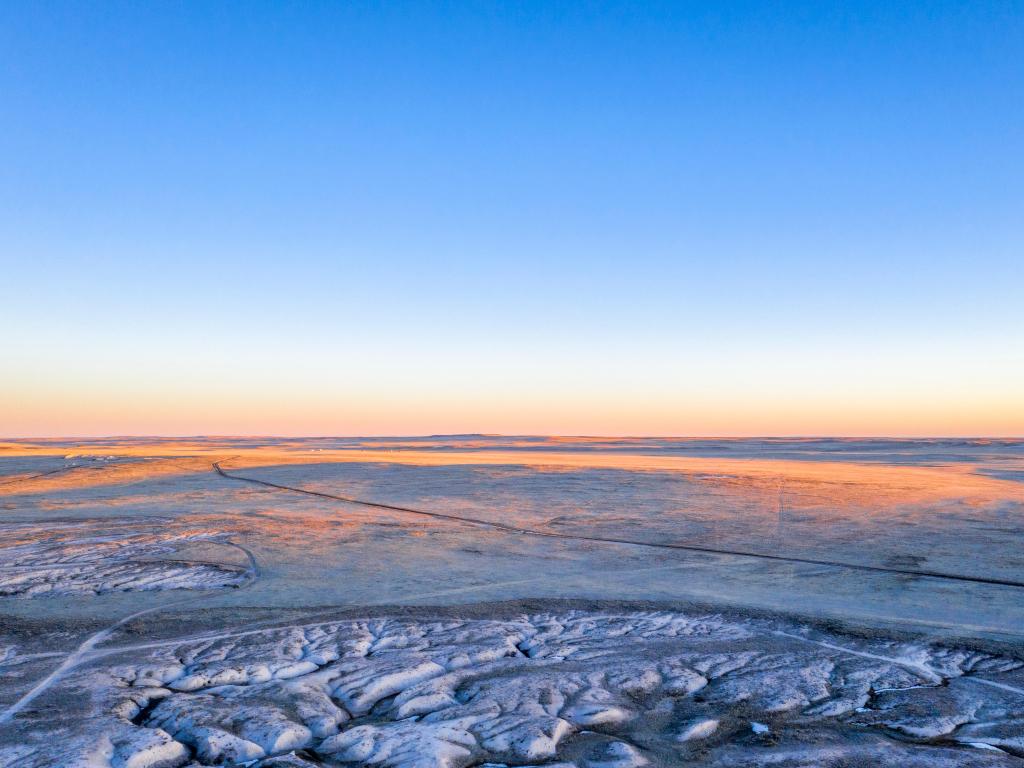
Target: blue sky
[{"x": 536, "y": 217}]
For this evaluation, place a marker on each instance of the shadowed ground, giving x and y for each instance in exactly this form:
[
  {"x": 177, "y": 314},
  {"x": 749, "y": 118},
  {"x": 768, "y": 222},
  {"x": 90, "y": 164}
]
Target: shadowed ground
[{"x": 917, "y": 541}]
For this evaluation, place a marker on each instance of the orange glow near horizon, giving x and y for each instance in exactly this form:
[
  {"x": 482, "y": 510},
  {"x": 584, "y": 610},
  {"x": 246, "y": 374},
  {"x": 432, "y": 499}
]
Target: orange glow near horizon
[
  {"x": 871, "y": 484},
  {"x": 893, "y": 401},
  {"x": 72, "y": 417}
]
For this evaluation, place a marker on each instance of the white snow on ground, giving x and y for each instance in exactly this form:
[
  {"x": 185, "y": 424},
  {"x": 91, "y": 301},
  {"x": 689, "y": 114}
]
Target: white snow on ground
[
  {"x": 98, "y": 556},
  {"x": 584, "y": 689}
]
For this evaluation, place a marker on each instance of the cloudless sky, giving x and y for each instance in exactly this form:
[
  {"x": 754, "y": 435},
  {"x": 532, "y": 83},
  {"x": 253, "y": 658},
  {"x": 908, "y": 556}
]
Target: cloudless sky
[{"x": 585, "y": 218}]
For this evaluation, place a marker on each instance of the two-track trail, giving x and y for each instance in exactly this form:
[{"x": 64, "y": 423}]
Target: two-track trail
[{"x": 86, "y": 649}]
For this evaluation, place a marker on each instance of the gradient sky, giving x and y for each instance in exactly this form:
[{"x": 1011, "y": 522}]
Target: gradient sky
[{"x": 585, "y": 218}]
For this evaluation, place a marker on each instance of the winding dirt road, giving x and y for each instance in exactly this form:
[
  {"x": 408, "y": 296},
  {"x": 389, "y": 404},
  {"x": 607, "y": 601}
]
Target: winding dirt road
[{"x": 87, "y": 648}]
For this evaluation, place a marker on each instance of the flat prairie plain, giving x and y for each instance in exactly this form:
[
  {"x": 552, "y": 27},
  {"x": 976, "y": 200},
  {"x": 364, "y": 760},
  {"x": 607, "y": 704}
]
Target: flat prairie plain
[{"x": 474, "y": 600}]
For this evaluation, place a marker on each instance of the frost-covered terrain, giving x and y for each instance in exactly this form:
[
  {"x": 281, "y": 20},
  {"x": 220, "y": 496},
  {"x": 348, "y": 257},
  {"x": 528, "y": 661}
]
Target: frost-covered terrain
[
  {"x": 583, "y": 688},
  {"x": 480, "y": 601},
  {"x": 97, "y": 556}
]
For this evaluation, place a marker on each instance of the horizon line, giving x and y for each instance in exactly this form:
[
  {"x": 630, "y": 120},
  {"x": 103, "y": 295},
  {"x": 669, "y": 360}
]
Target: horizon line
[{"x": 383, "y": 436}]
